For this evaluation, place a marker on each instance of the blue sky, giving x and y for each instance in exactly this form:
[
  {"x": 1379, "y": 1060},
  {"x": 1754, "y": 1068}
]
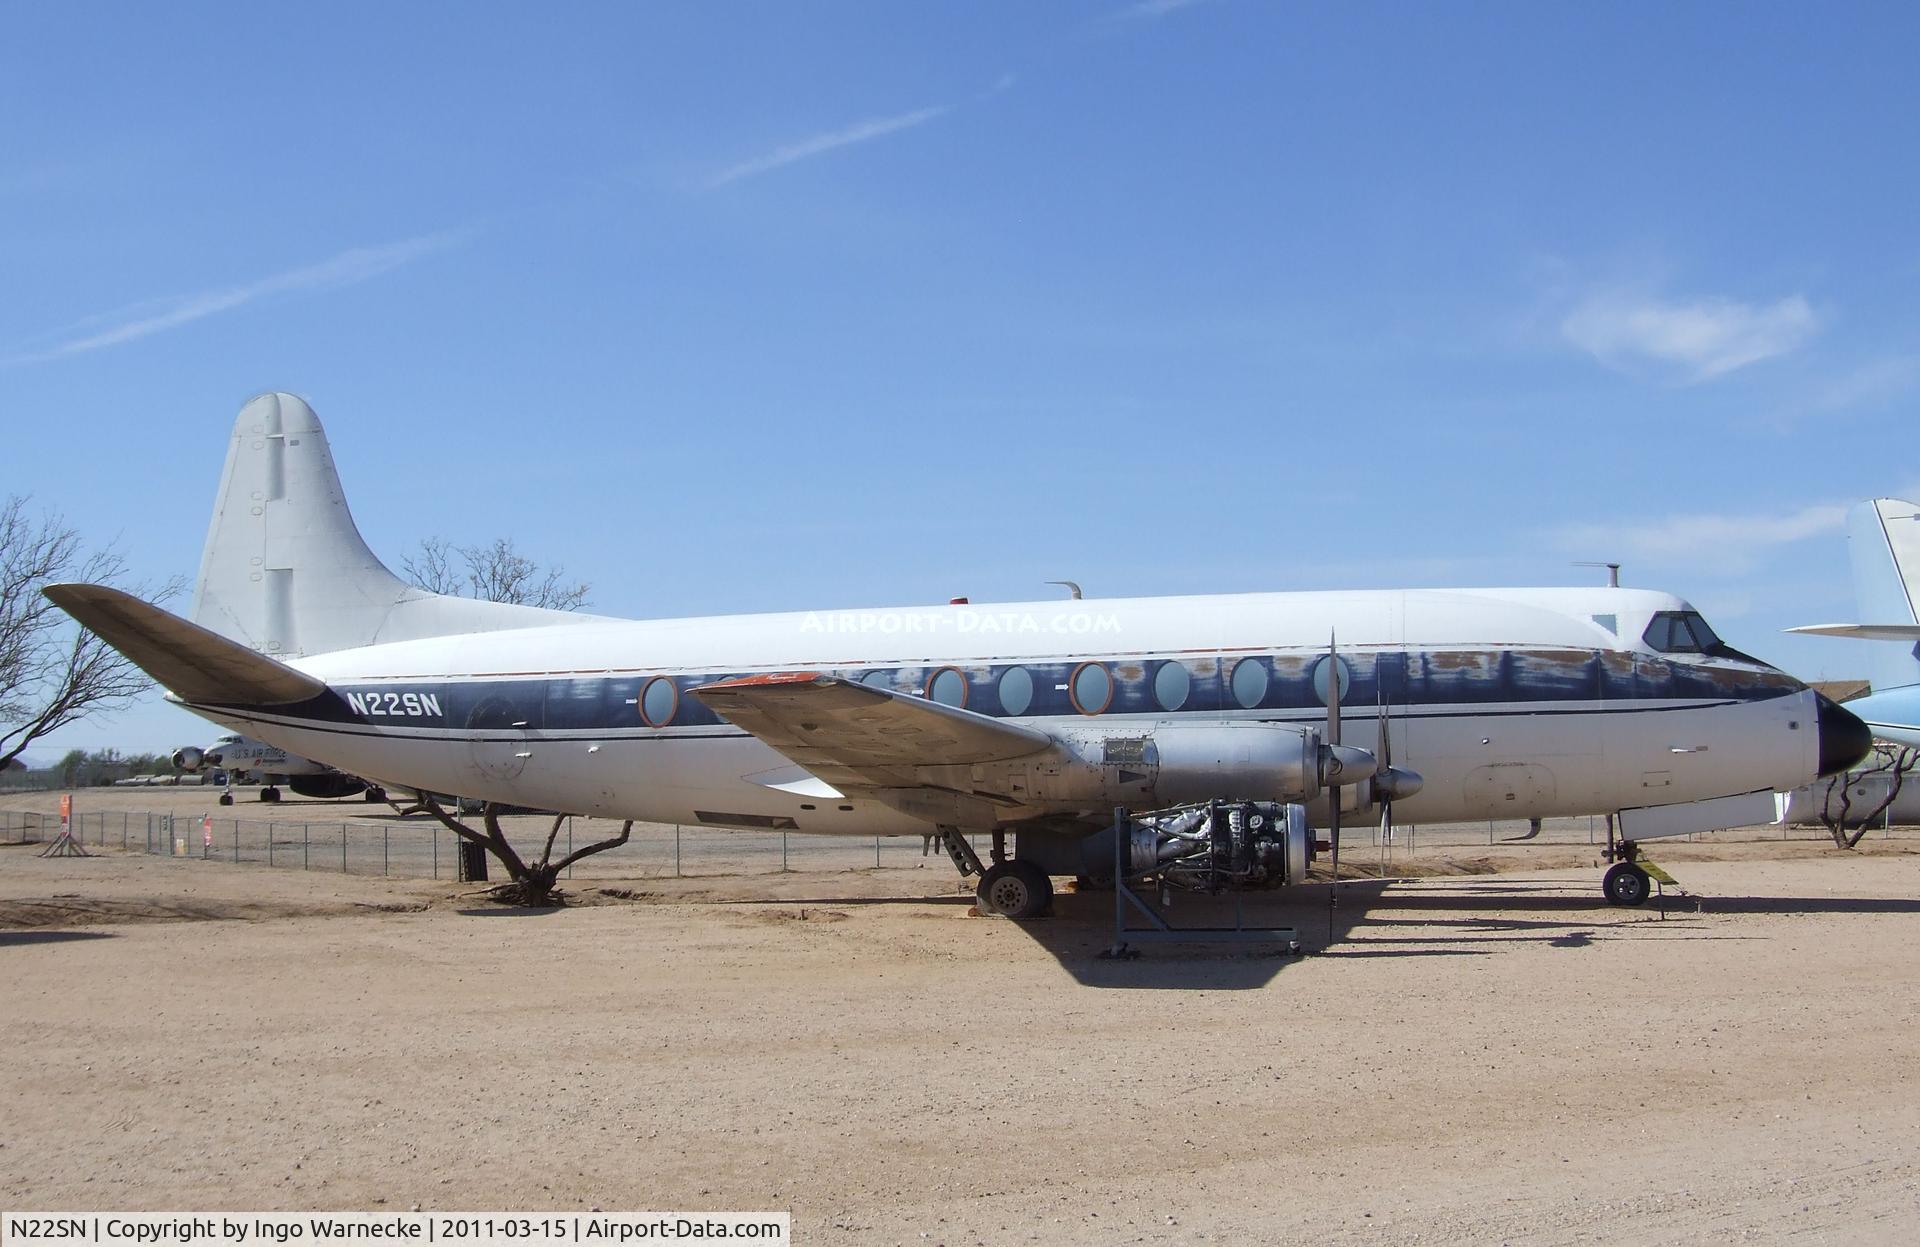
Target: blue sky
[{"x": 754, "y": 307}]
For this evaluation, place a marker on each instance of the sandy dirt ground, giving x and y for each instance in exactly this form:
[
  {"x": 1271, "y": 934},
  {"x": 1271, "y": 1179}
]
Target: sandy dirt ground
[{"x": 1475, "y": 1058}]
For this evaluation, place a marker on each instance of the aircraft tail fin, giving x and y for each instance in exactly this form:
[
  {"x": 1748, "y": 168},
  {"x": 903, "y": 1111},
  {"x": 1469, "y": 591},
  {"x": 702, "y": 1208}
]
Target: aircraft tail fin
[
  {"x": 285, "y": 570},
  {"x": 1883, "y": 543}
]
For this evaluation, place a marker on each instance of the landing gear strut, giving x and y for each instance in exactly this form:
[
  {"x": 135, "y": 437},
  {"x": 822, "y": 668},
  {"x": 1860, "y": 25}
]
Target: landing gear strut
[{"x": 965, "y": 860}]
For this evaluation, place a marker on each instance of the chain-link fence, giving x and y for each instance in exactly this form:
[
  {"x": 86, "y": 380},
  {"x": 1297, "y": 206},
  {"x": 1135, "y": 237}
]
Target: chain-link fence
[{"x": 423, "y": 849}]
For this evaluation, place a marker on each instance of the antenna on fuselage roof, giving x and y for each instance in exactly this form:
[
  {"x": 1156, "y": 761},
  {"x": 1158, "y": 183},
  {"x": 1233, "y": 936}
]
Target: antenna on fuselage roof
[
  {"x": 1073, "y": 588},
  {"x": 1613, "y": 571}
]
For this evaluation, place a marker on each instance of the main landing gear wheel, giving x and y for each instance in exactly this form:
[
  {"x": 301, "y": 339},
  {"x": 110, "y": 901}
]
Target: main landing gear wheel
[
  {"x": 375, "y": 793},
  {"x": 226, "y": 798},
  {"x": 1017, "y": 890},
  {"x": 1626, "y": 884},
  {"x": 269, "y": 794}
]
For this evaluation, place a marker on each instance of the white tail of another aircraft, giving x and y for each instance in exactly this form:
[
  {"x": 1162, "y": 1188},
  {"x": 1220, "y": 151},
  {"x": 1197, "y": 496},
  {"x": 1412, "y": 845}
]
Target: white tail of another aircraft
[
  {"x": 285, "y": 570},
  {"x": 1883, "y": 544}
]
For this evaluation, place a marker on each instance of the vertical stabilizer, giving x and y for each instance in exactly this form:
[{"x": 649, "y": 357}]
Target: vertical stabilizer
[
  {"x": 286, "y": 571},
  {"x": 1883, "y": 543}
]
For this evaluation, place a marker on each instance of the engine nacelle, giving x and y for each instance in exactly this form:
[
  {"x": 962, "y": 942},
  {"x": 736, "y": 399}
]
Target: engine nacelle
[
  {"x": 327, "y": 786},
  {"x": 1167, "y": 764},
  {"x": 188, "y": 758},
  {"x": 1217, "y": 846}
]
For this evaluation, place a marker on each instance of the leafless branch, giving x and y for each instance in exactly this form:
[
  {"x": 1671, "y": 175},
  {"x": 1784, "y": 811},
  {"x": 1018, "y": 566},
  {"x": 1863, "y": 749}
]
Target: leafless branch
[
  {"x": 495, "y": 572},
  {"x": 52, "y": 671},
  {"x": 432, "y": 568},
  {"x": 1846, "y": 827}
]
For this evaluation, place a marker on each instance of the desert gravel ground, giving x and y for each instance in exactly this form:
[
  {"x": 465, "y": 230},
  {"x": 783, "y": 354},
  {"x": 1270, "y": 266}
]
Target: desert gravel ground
[{"x": 1475, "y": 1058}]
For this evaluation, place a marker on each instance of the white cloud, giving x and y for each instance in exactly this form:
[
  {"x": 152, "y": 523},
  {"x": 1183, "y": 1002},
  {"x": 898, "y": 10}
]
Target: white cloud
[
  {"x": 1729, "y": 543},
  {"x": 140, "y": 320},
  {"x": 1706, "y": 338},
  {"x": 833, "y": 140},
  {"x": 1157, "y": 8}
]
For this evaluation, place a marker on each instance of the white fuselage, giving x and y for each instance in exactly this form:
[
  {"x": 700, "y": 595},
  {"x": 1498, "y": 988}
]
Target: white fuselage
[
  {"x": 1509, "y": 703},
  {"x": 243, "y": 758}
]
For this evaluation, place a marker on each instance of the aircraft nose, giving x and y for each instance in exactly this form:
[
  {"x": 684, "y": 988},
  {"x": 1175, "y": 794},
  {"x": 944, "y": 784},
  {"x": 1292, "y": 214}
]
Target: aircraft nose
[{"x": 1844, "y": 739}]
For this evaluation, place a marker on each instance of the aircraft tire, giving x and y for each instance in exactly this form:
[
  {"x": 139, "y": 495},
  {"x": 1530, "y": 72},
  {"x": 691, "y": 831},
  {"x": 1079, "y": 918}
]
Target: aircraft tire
[
  {"x": 269, "y": 794},
  {"x": 1017, "y": 890},
  {"x": 1626, "y": 884},
  {"x": 226, "y": 798}
]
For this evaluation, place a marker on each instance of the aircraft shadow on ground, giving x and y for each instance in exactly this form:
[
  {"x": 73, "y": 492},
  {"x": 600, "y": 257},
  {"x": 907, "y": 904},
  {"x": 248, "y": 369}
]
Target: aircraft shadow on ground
[
  {"x": 1362, "y": 925},
  {"x": 1083, "y": 927},
  {"x": 11, "y": 939},
  {"x": 510, "y": 911}
]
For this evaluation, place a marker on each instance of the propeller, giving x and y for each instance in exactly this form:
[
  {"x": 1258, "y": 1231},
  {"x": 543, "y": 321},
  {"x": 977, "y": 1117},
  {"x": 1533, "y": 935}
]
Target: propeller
[
  {"x": 1389, "y": 781},
  {"x": 1383, "y": 754},
  {"x": 1333, "y": 789}
]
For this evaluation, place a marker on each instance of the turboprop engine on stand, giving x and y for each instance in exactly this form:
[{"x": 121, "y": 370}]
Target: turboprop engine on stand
[{"x": 1216, "y": 846}]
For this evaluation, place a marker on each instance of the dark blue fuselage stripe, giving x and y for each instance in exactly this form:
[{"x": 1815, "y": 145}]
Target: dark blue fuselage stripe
[{"x": 1451, "y": 685}]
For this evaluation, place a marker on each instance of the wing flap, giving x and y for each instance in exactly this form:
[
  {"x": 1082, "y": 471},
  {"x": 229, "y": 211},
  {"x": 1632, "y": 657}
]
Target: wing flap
[
  {"x": 853, "y": 735},
  {"x": 194, "y": 664}
]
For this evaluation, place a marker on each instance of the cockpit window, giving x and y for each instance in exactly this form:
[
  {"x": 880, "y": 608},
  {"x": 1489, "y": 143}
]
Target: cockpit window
[{"x": 1680, "y": 632}]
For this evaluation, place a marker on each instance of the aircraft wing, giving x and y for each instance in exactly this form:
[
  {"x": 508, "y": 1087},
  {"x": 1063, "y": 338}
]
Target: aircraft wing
[
  {"x": 1867, "y": 632},
  {"x": 855, "y": 736},
  {"x": 191, "y": 662}
]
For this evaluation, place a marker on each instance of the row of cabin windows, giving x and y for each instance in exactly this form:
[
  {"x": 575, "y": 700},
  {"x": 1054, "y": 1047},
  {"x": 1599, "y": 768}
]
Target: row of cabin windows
[{"x": 1090, "y": 688}]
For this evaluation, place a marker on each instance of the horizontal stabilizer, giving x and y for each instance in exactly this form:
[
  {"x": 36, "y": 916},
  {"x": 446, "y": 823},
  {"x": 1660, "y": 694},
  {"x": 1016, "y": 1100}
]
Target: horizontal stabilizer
[
  {"x": 194, "y": 664},
  {"x": 854, "y": 736},
  {"x": 1865, "y": 632}
]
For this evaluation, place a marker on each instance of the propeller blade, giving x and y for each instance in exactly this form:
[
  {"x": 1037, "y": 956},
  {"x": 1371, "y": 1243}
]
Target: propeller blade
[
  {"x": 1333, "y": 738},
  {"x": 1383, "y": 754}
]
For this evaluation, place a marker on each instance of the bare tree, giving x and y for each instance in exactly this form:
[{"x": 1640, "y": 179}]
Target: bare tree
[
  {"x": 1847, "y": 825},
  {"x": 530, "y": 884},
  {"x": 493, "y": 573},
  {"x": 52, "y": 671}
]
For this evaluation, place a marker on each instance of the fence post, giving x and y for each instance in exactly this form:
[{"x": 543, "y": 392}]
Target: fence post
[
  {"x": 306, "y": 843},
  {"x": 783, "y": 852},
  {"x": 876, "y": 852},
  {"x": 384, "y": 832},
  {"x": 676, "y": 850},
  {"x": 569, "y": 844},
  {"x": 436, "y": 850}
]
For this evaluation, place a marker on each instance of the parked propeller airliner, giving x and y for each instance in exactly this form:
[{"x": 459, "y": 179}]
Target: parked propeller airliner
[
  {"x": 1036, "y": 719},
  {"x": 245, "y": 759}
]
